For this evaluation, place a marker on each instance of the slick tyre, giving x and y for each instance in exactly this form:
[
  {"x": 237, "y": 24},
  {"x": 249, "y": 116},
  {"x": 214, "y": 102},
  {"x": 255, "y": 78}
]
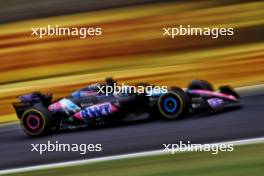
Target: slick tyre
[
  {"x": 36, "y": 121},
  {"x": 174, "y": 104},
  {"x": 200, "y": 84}
]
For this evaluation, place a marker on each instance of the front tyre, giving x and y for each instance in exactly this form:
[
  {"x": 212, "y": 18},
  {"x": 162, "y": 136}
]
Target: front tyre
[
  {"x": 174, "y": 104},
  {"x": 35, "y": 121}
]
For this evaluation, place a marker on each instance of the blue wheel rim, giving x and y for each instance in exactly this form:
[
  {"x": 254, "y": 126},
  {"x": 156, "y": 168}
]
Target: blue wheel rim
[{"x": 174, "y": 106}]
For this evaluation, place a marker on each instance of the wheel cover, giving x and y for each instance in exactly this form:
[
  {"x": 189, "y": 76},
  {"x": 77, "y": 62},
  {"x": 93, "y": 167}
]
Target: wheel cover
[
  {"x": 33, "y": 122},
  {"x": 170, "y": 105}
]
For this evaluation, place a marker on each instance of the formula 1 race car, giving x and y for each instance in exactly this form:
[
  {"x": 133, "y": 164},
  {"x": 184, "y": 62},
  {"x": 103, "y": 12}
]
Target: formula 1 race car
[{"x": 94, "y": 105}]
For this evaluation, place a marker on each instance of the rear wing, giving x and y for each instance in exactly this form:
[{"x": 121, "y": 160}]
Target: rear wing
[
  {"x": 28, "y": 100},
  {"x": 21, "y": 107}
]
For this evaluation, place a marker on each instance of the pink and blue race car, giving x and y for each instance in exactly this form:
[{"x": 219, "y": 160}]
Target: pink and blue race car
[{"x": 88, "y": 107}]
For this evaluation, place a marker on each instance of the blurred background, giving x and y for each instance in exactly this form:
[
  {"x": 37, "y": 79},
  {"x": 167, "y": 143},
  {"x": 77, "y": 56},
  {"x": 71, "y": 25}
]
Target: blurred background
[{"x": 132, "y": 47}]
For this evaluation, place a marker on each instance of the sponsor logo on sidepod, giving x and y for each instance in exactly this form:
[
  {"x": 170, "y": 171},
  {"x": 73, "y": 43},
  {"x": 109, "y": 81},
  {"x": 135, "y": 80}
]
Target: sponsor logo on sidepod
[{"x": 96, "y": 111}]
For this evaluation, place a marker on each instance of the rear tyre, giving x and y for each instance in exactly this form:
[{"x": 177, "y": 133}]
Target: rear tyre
[
  {"x": 36, "y": 121},
  {"x": 201, "y": 84},
  {"x": 174, "y": 105}
]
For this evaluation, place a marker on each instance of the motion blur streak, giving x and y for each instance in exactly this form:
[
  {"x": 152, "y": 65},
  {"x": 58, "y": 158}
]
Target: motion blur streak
[{"x": 133, "y": 48}]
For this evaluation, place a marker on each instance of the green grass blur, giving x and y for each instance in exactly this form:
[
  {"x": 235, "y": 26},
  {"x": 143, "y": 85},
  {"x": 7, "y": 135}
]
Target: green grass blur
[{"x": 243, "y": 161}]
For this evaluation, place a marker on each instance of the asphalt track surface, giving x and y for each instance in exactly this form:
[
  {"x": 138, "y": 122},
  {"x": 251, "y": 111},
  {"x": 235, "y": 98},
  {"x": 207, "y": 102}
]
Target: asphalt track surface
[{"x": 247, "y": 122}]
